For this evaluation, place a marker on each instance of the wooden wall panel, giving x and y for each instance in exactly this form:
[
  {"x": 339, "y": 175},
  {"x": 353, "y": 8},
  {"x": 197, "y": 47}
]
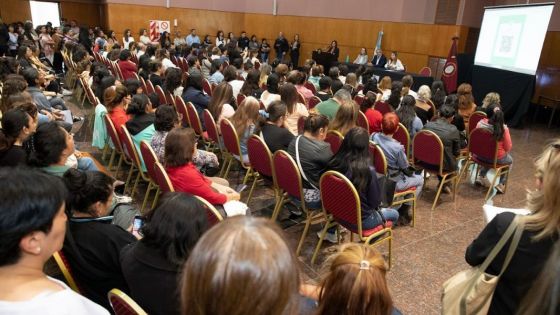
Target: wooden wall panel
[
  {"x": 85, "y": 13},
  {"x": 15, "y": 10},
  {"x": 551, "y": 47}
]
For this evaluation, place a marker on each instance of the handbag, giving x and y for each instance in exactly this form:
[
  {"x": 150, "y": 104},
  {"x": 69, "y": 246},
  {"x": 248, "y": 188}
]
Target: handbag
[
  {"x": 387, "y": 187},
  {"x": 470, "y": 292}
]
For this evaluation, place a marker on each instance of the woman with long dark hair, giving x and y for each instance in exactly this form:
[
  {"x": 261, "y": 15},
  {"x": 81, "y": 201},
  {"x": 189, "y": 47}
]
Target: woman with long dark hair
[
  {"x": 395, "y": 98},
  {"x": 251, "y": 86},
  {"x": 271, "y": 93},
  {"x": 407, "y": 115},
  {"x": 288, "y": 94}
]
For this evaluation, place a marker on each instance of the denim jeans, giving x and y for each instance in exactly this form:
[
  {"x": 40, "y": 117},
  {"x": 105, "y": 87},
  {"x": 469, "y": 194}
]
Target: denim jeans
[
  {"x": 405, "y": 182},
  {"x": 507, "y": 159},
  {"x": 375, "y": 219},
  {"x": 86, "y": 164}
]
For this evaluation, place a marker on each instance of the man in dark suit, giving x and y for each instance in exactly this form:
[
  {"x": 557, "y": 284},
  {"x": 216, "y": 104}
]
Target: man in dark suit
[
  {"x": 379, "y": 60},
  {"x": 281, "y": 46}
]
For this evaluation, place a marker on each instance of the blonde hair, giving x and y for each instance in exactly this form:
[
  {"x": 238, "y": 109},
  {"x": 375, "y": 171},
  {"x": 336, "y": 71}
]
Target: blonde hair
[
  {"x": 241, "y": 266},
  {"x": 491, "y": 98},
  {"x": 245, "y": 115},
  {"x": 544, "y": 203},
  {"x": 354, "y": 283},
  {"x": 352, "y": 80},
  {"x": 424, "y": 93},
  {"x": 385, "y": 83},
  {"x": 345, "y": 118}
]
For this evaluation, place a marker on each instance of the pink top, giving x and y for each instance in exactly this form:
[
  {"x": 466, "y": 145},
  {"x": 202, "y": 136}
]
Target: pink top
[
  {"x": 307, "y": 94},
  {"x": 504, "y": 146}
]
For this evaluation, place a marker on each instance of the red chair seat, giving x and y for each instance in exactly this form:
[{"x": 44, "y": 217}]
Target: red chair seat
[{"x": 376, "y": 229}]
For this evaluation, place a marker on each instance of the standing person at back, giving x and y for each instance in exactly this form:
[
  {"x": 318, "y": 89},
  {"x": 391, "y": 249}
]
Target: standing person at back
[
  {"x": 331, "y": 106},
  {"x": 281, "y": 46},
  {"x": 450, "y": 138}
]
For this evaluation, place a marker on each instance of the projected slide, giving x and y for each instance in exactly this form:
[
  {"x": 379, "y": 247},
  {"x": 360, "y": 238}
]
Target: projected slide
[{"x": 511, "y": 38}]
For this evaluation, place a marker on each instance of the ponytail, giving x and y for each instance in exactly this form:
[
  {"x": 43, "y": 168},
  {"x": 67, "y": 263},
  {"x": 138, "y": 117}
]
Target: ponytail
[{"x": 497, "y": 120}]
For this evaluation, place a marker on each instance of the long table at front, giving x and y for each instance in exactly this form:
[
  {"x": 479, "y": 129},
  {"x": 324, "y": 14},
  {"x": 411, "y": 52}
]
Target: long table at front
[{"x": 418, "y": 79}]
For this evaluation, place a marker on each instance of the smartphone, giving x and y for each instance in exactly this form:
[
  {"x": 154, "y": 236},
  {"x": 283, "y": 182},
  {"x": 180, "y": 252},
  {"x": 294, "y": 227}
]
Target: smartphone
[
  {"x": 240, "y": 188},
  {"x": 137, "y": 224}
]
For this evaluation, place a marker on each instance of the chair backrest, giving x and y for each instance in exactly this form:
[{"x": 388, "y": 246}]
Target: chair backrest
[
  {"x": 150, "y": 87},
  {"x": 161, "y": 95},
  {"x": 259, "y": 155},
  {"x": 403, "y": 137},
  {"x": 169, "y": 99},
  {"x": 361, "y": 121},
  {"x": 257, "y": 65},
  {"x": 311, "y": 87},
  {"x": 334, "y": 138},
  {"x": 181, "y": 108},
  {"x": 162, "y": 179},
  {"x": 206, "y": 87},
  {"x": 261, "y": 105},
  {"x": 113, "y": 134},
  {"x": 340, "y": 199},
  {"x": 211, "y": 127},
  {"x": 240, "y": 99},
  {"x": 129, "y": 148},
  {"x": 426, "y": 71},
  {"x": 231, "y": 140},
  {"x": 174, "y": 60},
  {"x": 360, "y": 87},
  {"x": 144, "y": 85},
  {"x": 359, "y": 99},
  {"x": 64, "y": 267},
  {"x": 150, "y": 159},
  {"x": 474, "y": 119},
  {"x": 194, "y": 120},
  {"x": 378, "y": 158},
  {"x": 119, "y": 71},
  {"x": 428, "y": 148},
  {"x": 301, "y": 98},
  {"x": 482, "y": 144},
  {"x": 313, "y": 101},
  {"x": 382, "y": 107},
  {"x": 286, "y": 174},
  {"x": 122, "y": 304},
  {"x": 212, "y": 214},
  {"x": 134, "y": 59}
]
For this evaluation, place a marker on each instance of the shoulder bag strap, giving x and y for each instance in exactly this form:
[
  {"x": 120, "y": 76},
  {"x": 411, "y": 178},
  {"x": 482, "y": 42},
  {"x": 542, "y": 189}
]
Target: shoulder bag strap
[
  {"x": 299, "y": 164},
  {"x": 510, "y": 230}
]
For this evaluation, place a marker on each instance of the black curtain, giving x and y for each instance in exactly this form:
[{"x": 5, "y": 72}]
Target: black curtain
[{"x": 515, "y": 89}]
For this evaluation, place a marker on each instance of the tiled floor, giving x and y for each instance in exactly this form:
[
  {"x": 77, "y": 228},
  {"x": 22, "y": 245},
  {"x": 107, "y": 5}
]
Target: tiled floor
[{"x": 431, "y": 252}]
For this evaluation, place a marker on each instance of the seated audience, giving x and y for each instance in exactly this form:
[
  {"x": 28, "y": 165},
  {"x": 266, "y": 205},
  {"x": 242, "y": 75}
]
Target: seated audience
[
  {"x": 458, "y": 121},
  {"x": 352, "y": 80},
  {"x": 273, "y": 131},
  {"x": 17, "y": 126},
  {"x": 394, "y": 99},
  {"x": 313, "y": 154},
  {"x": 324, "y": 92},
  {"x": 141, "y": 124},
  {"x": 152, "y": 265},
  {"x": 466, "y": 101},
  {"x": 180, "y": 146},
  {"x": 27, "y": 243},
  {"x": 423, "y": 108},
  {"x": 449, "y": 136},
  {"x": 489, "y": 99},
  {"x": 271, "y": 94},
  {"x": 407, "y": 83},
  {"x": 116, "y": 100},
  {"x": 216, "y": 76},
  {"x": 345, "y": 118},
  {"x": 495, "y": 123},
  {"x": 265, "y": 70},
  {"x": 373, "y": 116},
  {"x": 156, "y": 71},
  {"x": 354, "y": 161},
  {"x": 216, "y": 269},
  {"x": 251, "y": 85},
  {"x": 438, "y": 93},
  {"x": 331, "y": 106},
  {"x": 355, "y": 283},
  {"x": 245, "y": 121},
  {"x": 173, "y": 82},
  {"x": 221, "y": 102},
  {"x": 398, "y": 167},
  {"x": 128, "y": 68},
  {"x": 295, "y": 109},
  {"x": 230, "y": 76},
  {"x": 298, "y": 78},
  {"x": 133, "y": 86},
  {"x": 166, "y": 119},
  {"x": 334, "y": 74},
  {"x": 408, "y": 117},
  {"x": 92, "y": 244},
  {"x": 385, "y": 86},
  {"x": 195, "y": 94},
  {"x": 540, "y": 233},
  {"x": 394, "y": 63},
  {"x": 54, "y": 152},
  {"x": 315, "y": 76}
]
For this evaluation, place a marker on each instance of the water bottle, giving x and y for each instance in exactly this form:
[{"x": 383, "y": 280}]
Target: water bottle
[{"x": 347, "y": 58}]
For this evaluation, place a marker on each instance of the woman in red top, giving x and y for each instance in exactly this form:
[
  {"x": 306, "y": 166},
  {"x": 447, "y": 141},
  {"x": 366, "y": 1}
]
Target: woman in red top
[
  {"x": 117, "y": 100},
  {"x": 495, "y": 123},
  {"x": 374, "y": 117},
  {"x": 128, "y": 68},
  {"x": 180, "y": 146}
]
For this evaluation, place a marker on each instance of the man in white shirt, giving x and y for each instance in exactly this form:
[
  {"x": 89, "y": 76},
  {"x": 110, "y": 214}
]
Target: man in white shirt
[
  {"x": 178, "y": 39},
  {"x": 192, "y": 38}
]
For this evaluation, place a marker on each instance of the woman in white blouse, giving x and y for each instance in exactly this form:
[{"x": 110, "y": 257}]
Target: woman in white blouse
[
  {"x": 144, "y": 37},
  {"x": 394, "y": 63},
  {"x": 362, "y": 58},
  {"x": 220, "y": 40},
  {"x": 127, "y": 38},
  {"x": 32, "y": 228}
]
